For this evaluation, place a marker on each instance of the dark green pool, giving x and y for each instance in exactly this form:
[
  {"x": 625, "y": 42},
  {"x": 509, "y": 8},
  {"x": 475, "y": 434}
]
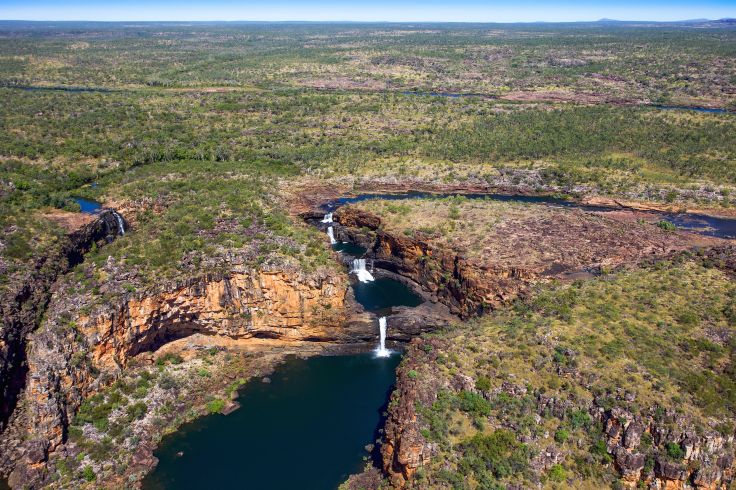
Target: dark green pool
[
  {"x": 349, "y": 248},
  {"x": 305, "y": 430},
  {"x": 383, "y": 293}
]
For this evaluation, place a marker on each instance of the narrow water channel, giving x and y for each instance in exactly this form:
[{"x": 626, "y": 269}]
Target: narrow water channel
[
  {"x": 696, "y": 223},
  {"x": 306, "y": 429}
]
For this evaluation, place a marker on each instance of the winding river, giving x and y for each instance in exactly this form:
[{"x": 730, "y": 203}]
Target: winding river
[{"x": 697, "y": 223}]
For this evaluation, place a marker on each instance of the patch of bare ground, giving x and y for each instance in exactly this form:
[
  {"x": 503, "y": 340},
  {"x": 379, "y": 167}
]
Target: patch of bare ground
[
  {"x": 544, "y": 239},
  {"x": 563, "y": 96},
  {"x": 68, "y": 221}
]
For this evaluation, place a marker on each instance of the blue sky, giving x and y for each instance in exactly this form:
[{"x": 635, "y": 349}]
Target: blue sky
[{"x": 366, "y": 10}]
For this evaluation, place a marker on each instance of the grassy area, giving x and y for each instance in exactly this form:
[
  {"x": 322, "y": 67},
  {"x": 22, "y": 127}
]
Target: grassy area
[
  {"x": 667, "y": 64},
  {"x": 196, "y": 171},
  {"x": 653, "y": 340},
  {"x": 532, "y": 237},
  {"x": 200, "y": 171}
]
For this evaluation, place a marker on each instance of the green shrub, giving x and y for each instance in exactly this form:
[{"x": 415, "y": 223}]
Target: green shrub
[
  {"x": 557, "y": 473},
  {"x": 600, "y": 450},
  {"x": 136, "y": 411},
  {"x": 169, "y": 358},
  {"x": 215, "y": 406},
  {"x": 498, "y": 453},
  {"x": 579, "y": 418},
  {"x": 474, "y": 403},
  {"x": 483, "y": 383},
  {"x": 88, "y": 473},
  {"x": 674, "y": 451},
  {"x": 666, "y": 225},
  {"x": 562, "y": 435}
]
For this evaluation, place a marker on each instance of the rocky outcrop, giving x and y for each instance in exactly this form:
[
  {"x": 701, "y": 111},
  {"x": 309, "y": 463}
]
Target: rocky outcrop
[
  {"x": 72, "y": 357},
  {"x": 468, "y": 288},
  {"x": 404, "y": 450},
  {"x": 551, "y": 244},
  {"x": 658, "y": 447},
  {"x": 27, "y": 297},
  {"x": 697, "y": 459},
  {"x": 240, "y": 305}
]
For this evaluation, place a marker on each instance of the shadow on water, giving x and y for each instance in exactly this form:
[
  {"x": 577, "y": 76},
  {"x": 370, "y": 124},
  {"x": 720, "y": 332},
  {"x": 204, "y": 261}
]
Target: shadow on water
[
  {"x": 349, "y": 249},
  {"x": 336, "y": 203},
  {"x": 306, "y": 429},
  {"x": 384, "y": 293},
  {"x": 704, "y": 225}
]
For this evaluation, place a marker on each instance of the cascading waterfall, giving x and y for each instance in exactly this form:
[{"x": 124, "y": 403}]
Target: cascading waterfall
[
  {"x": 360, "y": 270},
  {"x": 327, "y": 218},
  {"x": 381, "y": 350},
  {"x": 121, "y": 223},
  {"x": 331, "y": 234}
]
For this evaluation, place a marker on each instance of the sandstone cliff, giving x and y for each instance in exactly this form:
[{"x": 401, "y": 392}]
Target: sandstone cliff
[
  {"x": 25, "y": 301},
  {"x": 73, "y": 356}
]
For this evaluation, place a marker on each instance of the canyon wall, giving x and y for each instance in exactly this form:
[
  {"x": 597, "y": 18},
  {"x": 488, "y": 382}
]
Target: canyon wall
[
  {"x": 72, "y": 357},
  {"x": 706, "y": 463},
  {"x": 27, "y": 296},
  {"x": 467, "y": 287}
]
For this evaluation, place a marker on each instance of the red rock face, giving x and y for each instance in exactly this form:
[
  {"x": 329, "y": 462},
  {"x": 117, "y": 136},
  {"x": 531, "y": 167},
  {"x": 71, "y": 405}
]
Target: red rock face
[
  {"x": 404, "y": 449},
  {"x": 528, "y": 251},
  {"x": 240, "y": 306},
  {"x": 29, "y": 291}
]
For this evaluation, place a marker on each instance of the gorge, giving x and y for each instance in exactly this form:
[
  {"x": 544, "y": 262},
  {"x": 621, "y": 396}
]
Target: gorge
[
  {"x": 367, "y": 256},
  {"x": 271, "y": 308}
]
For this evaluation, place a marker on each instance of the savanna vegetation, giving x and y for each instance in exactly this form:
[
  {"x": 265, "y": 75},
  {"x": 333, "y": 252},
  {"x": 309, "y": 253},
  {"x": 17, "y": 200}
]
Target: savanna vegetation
[
  {"x": 157, "y": 114},
  {"x": 202, "y": 135},
  {"x": 656, "y": 342}
]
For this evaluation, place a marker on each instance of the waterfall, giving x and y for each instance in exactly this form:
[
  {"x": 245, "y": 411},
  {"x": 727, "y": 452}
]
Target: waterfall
[
  {"x": 360, "y": 270},
  {"x": 327, "y": 218},
  {"x": 381, "y": 350},
  {"x": 121, "y": 223},
  {"x": 331, "y": 234}
]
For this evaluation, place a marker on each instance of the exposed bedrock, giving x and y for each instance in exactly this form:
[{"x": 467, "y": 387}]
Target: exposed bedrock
[
  {"x": 706, "y": 463},
  {"x": 466, "y": 287},
  {"x": 574, "y": 246},
  {"x": 404, "y": 450},
  {"x": 27, "y": 297},
  {"x": 72, "y": 357}
]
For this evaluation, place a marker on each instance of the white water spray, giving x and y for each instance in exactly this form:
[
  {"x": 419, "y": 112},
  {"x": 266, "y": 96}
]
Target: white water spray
[
  {"x": 121, "y": 223},
  {"x": 331, "y": 234},
  {"x": 360, "y": 270},
  {"x": 381, "y": 350},
  {"x": 327, "y": 218}
]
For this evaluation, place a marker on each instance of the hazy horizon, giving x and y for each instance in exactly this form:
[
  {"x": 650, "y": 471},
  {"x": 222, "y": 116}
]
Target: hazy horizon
[{"x": 474, "y": 11}]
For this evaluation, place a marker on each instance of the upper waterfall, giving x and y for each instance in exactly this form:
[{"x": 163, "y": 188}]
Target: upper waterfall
[
  {"x": 360, "y": 270},
  {"x": 121, "y": 223}
]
